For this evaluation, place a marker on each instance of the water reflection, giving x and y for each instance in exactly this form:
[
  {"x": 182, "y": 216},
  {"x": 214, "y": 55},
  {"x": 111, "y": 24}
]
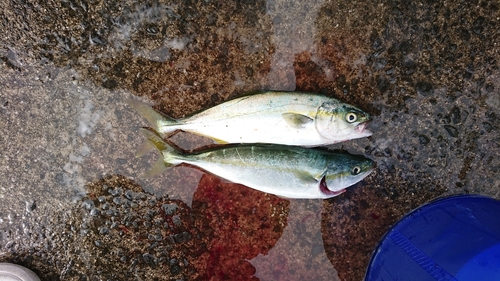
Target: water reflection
[{"x": 294, "y": 33}]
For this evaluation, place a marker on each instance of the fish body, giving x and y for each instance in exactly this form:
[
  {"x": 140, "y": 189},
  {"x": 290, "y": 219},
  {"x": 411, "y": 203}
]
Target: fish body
[
  {"x": 289, "y": 118},
  {"x": 286, "y": 171}
]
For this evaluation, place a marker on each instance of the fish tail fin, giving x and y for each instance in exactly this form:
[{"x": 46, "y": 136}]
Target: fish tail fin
[
  {"x": 145, "y": 147},
  {"x": 167, "y": 152},
  {"x": 156, "y": 119}
]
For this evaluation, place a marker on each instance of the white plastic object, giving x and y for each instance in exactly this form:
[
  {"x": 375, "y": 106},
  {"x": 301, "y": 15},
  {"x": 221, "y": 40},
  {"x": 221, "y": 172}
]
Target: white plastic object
[{"x": 14, "y": 272}]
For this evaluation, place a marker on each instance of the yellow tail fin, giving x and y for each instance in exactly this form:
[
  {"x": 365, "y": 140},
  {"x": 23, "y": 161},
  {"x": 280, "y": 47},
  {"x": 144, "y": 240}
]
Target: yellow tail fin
[
  {"x": 167, "y": 153},
  {"x": 156, "y": 119}
]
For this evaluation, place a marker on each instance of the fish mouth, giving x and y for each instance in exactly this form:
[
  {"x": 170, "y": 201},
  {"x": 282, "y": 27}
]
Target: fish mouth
[
  {"x": 361, "y": 129},
  {"x": 324, "y": 189}
]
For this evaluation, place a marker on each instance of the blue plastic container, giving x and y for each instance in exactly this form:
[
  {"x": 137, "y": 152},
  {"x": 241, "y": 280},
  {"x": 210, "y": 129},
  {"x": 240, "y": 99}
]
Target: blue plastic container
[{"x": 453, "y": 238}]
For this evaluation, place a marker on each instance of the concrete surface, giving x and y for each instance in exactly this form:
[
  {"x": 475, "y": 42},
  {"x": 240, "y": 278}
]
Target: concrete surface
[{"x": 73, "y": 206}]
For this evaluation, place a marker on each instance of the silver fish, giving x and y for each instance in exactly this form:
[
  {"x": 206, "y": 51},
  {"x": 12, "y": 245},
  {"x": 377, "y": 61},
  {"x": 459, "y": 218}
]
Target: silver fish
[
  {"x": 286, "y": 171},
  {"x": 289, "y": 118}
]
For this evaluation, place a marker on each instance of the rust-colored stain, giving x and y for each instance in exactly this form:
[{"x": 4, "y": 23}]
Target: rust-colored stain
[{"x": 242, "y": 228}]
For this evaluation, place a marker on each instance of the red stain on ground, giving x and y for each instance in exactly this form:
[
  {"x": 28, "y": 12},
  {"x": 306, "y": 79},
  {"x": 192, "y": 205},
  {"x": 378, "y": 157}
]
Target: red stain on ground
[{"x": 245, "y": 223}]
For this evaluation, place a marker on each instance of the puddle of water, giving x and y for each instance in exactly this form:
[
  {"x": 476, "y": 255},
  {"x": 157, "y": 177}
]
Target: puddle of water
[
  {"x": 294, "y": 32},
  {"x": 300, "y": 253}
]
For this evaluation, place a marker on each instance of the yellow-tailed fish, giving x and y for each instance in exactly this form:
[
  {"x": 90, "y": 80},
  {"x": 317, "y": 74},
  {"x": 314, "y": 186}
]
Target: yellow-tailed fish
[
  {"x": 290, "y": 118},
  {"x": 286, "y": 171}
]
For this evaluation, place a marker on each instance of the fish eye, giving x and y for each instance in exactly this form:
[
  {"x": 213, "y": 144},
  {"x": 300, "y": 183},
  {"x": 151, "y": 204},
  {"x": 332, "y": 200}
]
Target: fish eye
[
  {"x": 351, "y": 117},
  {"x": 356, "y": 170}
]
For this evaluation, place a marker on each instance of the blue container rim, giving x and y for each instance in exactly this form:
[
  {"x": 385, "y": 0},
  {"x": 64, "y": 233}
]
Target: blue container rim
[{"x": 416, "y": 210}]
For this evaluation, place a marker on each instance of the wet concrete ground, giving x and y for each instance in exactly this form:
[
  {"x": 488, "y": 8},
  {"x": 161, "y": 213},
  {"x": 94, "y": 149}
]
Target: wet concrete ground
[{"x": 73, "y": 206}]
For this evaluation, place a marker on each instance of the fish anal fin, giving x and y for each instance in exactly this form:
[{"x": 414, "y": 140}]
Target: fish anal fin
[
  {"x": 296, "y": 120},
  {"x": 219, "y": 141},
  {"x": 216, "y": 140}
]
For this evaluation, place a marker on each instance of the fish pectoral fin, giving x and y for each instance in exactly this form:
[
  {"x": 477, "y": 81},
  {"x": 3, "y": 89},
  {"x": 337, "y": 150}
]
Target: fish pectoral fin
[
  {"x": 296, "y": 120},
  {"x": 305, "y": 177}
]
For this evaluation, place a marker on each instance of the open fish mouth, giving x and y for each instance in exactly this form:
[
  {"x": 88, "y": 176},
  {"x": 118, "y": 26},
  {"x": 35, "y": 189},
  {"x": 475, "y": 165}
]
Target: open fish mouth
[
  {"x": 324, "y": 189},
  {"x": 361, "y": 128}
]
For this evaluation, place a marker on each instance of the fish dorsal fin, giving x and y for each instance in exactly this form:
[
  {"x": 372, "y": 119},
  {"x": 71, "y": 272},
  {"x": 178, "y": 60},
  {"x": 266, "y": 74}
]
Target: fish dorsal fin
[{"x": 296, "y": 120}]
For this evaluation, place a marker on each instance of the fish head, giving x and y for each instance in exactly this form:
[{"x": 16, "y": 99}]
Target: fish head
[
  {"x": 337, "y": 121},
  {"x": 346, "y": 171}
]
